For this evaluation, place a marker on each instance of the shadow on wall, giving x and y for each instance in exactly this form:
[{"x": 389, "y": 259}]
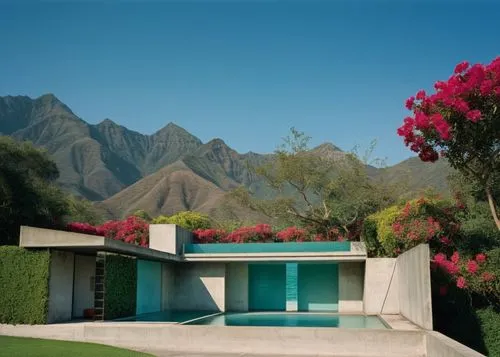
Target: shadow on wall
[
  {"x": 199, "y": 287},
  {"x": 455, "y": 317}
]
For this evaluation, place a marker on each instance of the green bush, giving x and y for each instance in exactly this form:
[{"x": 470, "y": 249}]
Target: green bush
[
  {"x": 187, "y": 219},
  {"x": 24, "y": 285},
  {"x": 120, "y": 277},
  {"x": 490, "y": 328},
  {"x": 377, "y": 232}
]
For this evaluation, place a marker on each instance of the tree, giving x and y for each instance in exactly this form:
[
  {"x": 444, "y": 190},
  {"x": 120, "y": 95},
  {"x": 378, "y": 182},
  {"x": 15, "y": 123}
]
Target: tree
[
  {"x": 319, "y": 190},
  {"x": 461, "y": 121},
  {"x": 28, "y": 194}
]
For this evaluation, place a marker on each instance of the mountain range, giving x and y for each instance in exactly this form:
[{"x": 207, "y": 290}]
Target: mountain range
[{"x": 168, "y": 171}]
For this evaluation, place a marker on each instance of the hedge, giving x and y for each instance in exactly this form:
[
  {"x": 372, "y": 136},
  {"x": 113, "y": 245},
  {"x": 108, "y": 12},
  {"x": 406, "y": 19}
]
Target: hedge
[
  {"x": 24, "y": 285},
  {"x": 490, "y": 329},
  {"x": 120, "y": 296}
]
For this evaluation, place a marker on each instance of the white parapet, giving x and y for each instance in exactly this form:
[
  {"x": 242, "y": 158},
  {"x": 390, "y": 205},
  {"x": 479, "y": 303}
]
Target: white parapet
[{"x": 169, "y": 238}]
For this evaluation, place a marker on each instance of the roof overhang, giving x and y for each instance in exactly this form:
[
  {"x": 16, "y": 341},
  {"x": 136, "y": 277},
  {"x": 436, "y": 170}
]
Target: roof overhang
[
  {"x": 276, "y": 257},
  {"x": 32, "y": 237}
]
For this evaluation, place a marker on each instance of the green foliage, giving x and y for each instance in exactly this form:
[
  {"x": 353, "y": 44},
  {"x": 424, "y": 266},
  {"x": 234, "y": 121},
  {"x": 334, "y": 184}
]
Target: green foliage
[
  {"x": 321, "y": 189},
  {"x": 187, "y": 219},
  {"x": 401, "y": 227},
  {"x": 377, "y": 232},
  {"x": 490, "y": 328},
  {"x": 34, "y": 347},
  {"x": 24, "y": 285},
  {"x": 28, "y": 195},
  {"x": 121, "y": 286},
  {"x": 142, "y": 214},
  {"x": 81, "y": 210}
]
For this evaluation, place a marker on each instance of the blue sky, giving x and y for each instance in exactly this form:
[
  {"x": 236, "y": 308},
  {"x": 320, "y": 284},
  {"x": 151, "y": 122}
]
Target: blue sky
[{"x": 245, "y": 71}]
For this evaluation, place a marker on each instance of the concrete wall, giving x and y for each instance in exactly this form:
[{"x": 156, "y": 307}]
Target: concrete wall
[
  {"x": 218, "y": 340},
  {"x": 200, "y": 286},
  {"x": 84, "y": 284},
  {"x": 168, "y": 238},
  {"x": 167, "y": 285},
  {"x": 351, "y": 279},
  {"x": 60, "y": 286},
  {"x": 439, "y": 345},
  {"x": 381, "y": 287},
  {"x": 415, "y": 286},
  {"x": 236, "y": 287}
]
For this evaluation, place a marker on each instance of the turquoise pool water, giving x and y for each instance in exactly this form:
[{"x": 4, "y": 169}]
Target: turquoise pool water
[
  {"x": 168, "y": 316},
  {"x": 292, "y": 320}
]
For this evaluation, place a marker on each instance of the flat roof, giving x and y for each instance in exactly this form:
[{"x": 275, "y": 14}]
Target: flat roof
[
  {"x": 293, "y": 251},
  {"x": 31, "y": 237}
]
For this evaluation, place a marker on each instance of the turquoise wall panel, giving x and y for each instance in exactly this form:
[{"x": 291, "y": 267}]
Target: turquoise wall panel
[
  {"x": 291, "y": 285},
  {"x": 267, "y": 287},
  {"x": 318, "y": 287},
  {"x": 289, "y": 247},
  {"x": 148, "y": 286}
]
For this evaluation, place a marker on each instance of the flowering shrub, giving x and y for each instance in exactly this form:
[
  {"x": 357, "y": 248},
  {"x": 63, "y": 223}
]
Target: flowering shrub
[
  {"x": 85, "y": 228},
  {"x": 209, "y": 235},
  {"x": 132, "y": 230},
  {"x": 470, "y": 273},
  {"x": 460, "y": 121},
  {"x": 257, "y": 233},
  {"x": 464, "y": 100},
  {"x": 292, "y": 234},
  {"x": 399, "y": 228}
]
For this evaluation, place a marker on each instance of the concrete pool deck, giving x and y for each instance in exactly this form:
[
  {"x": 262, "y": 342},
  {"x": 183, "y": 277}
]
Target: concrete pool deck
[{"x": 169, "y": 340}]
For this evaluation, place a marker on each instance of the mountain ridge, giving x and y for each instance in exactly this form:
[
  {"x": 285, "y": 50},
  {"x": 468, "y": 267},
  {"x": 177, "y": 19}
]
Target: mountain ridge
[{"x": 173, "y": 169}]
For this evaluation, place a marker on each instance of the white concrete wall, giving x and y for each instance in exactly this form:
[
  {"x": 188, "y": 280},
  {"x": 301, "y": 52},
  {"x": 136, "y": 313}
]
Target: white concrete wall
[
  {"x": 381, "y": 291},
  {"x": 84, "y": 284},
  {"x": 217, "y": 340},
  {"x": 167, "y": 285},
  {"x": 200, "y": 286},
  {"x": 60, "y": 286},
  {"x": 237, "y": 287},
  {"x": 439, "y": 345},
  {"x": 168, "y": 238},
  {"x": 415, "y": 286},
  {"x": 351, "y": 279}
]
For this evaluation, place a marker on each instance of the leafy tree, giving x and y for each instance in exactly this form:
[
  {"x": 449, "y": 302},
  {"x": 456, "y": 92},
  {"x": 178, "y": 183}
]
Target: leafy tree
[
  {"x": 81, "y": 210},
  {"x": 315, "y": 189},
  {"x": 28, "y": 195},
  {"x": 461, "y": 120},
  {"x": 142, "y": 214},
  {"x": 187, "y": 219}
]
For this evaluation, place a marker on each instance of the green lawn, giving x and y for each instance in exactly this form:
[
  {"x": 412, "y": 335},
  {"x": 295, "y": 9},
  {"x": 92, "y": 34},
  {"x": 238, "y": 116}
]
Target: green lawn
[{"x": 32, "y": 347}]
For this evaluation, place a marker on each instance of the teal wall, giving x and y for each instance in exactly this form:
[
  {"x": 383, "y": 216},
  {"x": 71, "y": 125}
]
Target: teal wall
[
  {"x": 291, "y": 284},
  {"x": 267, "y": 287},
  {"x": 318, "y": 287},
  {"x": 148, "y": 286}
]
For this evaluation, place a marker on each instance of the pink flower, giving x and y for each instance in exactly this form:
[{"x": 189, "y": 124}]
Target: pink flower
[
  {"x": 455, "y": 258},
  {"x": 472, "y": 266},
  {"x": 409, "y": 103},
  {"x": 461, "y": 282},
  {"x": 421, "y": 95},
  {"x": 481, "y": 258},
  {"x": 461, "y": 67},
  {"x": 474, "y": 115},
  {"x": 440, "y": 258},
  {"x": 445, "y": 240},
  {"x": 487, "y": 276},
  {"x": 450, "y": 267}
]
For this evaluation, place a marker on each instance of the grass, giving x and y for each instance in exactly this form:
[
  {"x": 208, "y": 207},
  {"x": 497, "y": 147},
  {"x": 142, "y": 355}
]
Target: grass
[{"x": 32, "y": 347}]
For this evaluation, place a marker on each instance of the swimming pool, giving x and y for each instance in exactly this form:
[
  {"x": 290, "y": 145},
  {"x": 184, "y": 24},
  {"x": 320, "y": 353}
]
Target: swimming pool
[
  {"x": 168, "y": 316},
  {"x": 291, "y": 320}
]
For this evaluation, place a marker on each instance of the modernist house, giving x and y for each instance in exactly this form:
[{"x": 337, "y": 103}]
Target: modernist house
[
  {"x": 180, "y": 296},
  {"x": 176, "y": 274}
]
